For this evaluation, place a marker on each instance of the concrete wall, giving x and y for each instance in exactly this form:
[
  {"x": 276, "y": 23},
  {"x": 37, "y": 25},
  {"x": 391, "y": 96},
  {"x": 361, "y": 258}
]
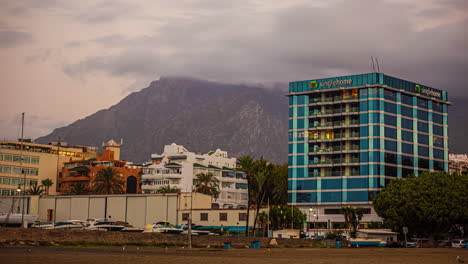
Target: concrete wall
[{"x": 138, "y": 210}]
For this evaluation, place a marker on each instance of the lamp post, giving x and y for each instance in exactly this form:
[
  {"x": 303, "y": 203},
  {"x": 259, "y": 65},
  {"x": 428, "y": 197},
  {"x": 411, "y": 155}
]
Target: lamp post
[
  {"x": 310, "y": 211},
  {"x": 315, "y": 224}
]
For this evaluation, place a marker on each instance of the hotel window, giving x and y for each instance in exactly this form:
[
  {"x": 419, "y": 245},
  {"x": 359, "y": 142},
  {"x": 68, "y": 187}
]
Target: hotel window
[
  {"x": 203, "y": 216},
  {"x": 438, "y": 154},
  {"x": 422, "y": 103},
  {"x": 406, "y": 172},
  {"x": 242, "y": 217},
  {"x": 423, "y": 151},
  {"x": 391, "y": 171},
  {"x": 390, "y": 145},
  {"x": 406, "y": 111},
  {"x": 423, "y": 163},
  {"x": 390, "y": 107},
  {"x": 389, "y": 95},
  {"x": 407, "y": 123},
  {"x": 407, "y": 161},
  {"x": 390, "y": 120},
  {"x": 438, "y": 130},
  {"x": 423, "y": 127},
  {"x": 437, "y": 107},
  {"x": 406, "y": 99},
  {"x": 423, "y": 139},
  {"x": 390, "y": 133},
  {"x": 437, "y": 118},
  {"x": 223, "y": 217},
  {"x": 423, "y": 115}
]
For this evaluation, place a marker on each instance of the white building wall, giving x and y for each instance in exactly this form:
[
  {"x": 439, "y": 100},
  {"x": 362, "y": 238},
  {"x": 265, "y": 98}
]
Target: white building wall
[{"x": 152, "y": 180}]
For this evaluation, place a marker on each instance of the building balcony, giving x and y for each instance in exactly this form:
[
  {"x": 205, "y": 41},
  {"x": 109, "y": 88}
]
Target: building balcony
[
  {"x": 335, "y": 137},
  {"x": 335, "y": 162},
  {"x": 162, "y": 176},
  {"x": 334, "y": 100},
  {"x": 74, "y": 178},
  {"x": 335, "y": 112},
  {"x": 338, "y": 149}
]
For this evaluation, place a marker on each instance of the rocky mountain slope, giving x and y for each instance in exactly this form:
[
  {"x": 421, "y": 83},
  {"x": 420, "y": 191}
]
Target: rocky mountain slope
[{"x": 200, "y": 115}]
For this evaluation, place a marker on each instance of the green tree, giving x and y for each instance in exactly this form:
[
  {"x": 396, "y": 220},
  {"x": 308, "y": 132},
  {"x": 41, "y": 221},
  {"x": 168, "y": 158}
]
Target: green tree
[
  {"x": 108, "y": 181},
  {"x": 246, "y": 164},
  {"x": 35, "y": 190},
  {"x": 432, "y": 203},
  {"x": 168, "y": 189},
  {"x": 353, "y": 216},
  {"x": 47, "y": 183},
  {"x": 207, "y": 183},
  {"x": 281, "y": 217},
  {"x": 78, "y": 188},
  {"x": 259, "y": 184}
]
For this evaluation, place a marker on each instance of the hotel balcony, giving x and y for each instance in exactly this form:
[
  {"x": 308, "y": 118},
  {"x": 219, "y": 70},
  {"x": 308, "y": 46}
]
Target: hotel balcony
[{"x": 162, "y": 176}]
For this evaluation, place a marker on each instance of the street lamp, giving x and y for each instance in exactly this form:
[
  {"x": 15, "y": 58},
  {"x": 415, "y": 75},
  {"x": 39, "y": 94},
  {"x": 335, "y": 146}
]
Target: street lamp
[
  {"x": 310, "y": 211},
  {"x": 18, "y": 190},
  {"x": 315, "y": 224}
]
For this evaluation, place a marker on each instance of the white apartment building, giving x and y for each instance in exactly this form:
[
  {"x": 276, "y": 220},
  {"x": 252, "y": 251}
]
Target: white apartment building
[{"x": 177, "y": 167}]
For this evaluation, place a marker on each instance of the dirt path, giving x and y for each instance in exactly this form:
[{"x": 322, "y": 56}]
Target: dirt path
[{"x": 243, "y": 256}]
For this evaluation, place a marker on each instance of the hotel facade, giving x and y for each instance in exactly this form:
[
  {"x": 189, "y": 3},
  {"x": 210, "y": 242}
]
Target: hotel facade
[{"x": 350, "y": 135}]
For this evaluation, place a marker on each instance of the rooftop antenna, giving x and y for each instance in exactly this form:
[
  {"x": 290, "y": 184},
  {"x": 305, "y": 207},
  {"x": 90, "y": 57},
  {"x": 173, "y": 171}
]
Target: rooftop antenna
[
  {"x": 378, "y": 68},
  {"x": 373, "y": 66}
]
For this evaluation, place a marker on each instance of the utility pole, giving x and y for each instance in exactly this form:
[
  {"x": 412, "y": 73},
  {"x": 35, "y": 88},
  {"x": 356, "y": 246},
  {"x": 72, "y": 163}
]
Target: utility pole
[
  {"x": 268, "y": 218},
  {"x": 22, "y": 169}
]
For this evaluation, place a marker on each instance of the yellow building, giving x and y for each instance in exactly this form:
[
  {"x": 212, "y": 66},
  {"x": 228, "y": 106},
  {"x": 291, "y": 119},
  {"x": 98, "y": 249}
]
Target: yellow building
[{"x": 34, "y": 162}]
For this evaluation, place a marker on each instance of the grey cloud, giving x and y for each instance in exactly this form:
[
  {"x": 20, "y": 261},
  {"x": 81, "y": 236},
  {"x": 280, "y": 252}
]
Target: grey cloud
[
  {"x": 291, "y": 44},
  {"x": 105, "y": 12},
  {"x": 9, "y": 38}
]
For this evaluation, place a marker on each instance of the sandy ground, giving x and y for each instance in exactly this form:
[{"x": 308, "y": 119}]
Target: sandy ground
[{"x": 259, "y": 256}]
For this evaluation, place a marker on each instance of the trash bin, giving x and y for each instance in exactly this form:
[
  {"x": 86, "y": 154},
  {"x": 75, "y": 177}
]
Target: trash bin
[
  {"x": 227, "y": 245},
  {"x": 255, "y": 244},
  {"x": 337, "y": 244}
]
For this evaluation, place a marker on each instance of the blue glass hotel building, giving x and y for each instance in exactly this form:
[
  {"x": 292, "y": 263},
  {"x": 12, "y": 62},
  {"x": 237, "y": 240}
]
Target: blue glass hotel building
[{"x": 350, "y": 135}]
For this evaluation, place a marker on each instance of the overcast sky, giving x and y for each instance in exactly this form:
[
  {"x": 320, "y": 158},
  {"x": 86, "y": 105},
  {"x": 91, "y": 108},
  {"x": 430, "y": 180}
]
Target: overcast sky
[{"x": 64, "y": 60}]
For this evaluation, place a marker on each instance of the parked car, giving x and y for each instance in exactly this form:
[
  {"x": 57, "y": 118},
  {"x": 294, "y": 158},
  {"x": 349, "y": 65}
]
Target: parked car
[
  {"x": 459, "y": 243},
  {"x": 416, "y": 242},
  {"x": 394, "y": 244},
  {"x": 443, "y": 243}
]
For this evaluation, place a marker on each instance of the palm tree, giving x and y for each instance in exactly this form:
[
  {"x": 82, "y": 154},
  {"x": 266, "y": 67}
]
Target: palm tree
[
  {"x": 35, "y": 190},
  {"x": 168, "y": 189},
  {"x": 47, "y": 183},
  {"x": 246, "y": 164},
  {"x": 108, "y": 181},
  {"x": 78, "y": 188},
  {"x": 353, "y": 217},
  {"x": 207, "y": 183},
  {"x": 260, "y": 179}
]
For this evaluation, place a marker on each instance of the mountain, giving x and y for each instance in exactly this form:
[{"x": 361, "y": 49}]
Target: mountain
[
  {"x": 201, "y": 115},
  {"x": 204, "y": 116}
]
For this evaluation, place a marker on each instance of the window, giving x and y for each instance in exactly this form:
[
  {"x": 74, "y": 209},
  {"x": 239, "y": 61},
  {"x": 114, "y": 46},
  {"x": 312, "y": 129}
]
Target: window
[
  {"x": 423, "y": 139},
  {"x": 437, "y": 107},
  {"x": 390, "y": 145},
  {"x": 390, "y": 120},
  {"x": 407, "y": 99},
  {"x": 390, "y": 107},
  {"x": 438, "y": 165},
  {"x": 423, "y": 163},
  {"x": 185, "y": 216},
  {"x": 242, "y": 217},
  {"x": 390, "y": 132},
  {"x": 333, "y": 211},
  {"x": 423, "y": 151},
  {"x": 407, "y": 161},
  {"x": 422, "y": 103},
  {"x": 407, "y": 123},
  {"x": 423, "y": 115},
  {"x": 438, "y": 153},
  {"x": 391, "y": 171},
  {"x": 223, "y": 217},
  {"x": 406, "y": 111},
  {"x": 406, "y": 172},
  {"x": 389, "y": 95},
  {"x": 203, "y": 216},
  {"x": 438, "y": 130},
  {"x": 390, "y": 158},
  {"x": 423, "y": 127},
  {"x": 436, "y": 118}
]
